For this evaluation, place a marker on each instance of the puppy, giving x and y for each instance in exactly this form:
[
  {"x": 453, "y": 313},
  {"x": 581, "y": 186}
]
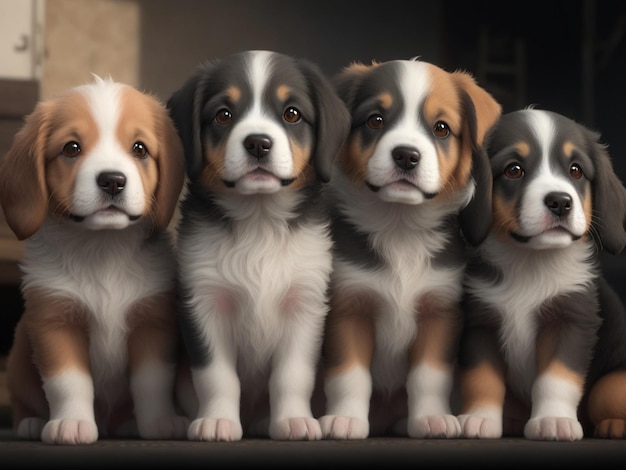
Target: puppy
[
  {"x": 91, "y": 182},
  {"x": 544, "y": 329},
  {"x": 411, "y": 175},
  {"x": 261, "y": 131}
]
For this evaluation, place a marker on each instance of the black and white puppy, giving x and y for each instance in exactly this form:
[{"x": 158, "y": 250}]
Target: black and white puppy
[
  {"x": 410, "y": 177},
  {"x": 261, "y": 131},
  {"x": 544, "y": 330}
]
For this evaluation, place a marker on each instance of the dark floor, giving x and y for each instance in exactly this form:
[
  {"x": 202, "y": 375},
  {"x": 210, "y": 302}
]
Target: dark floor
[{"x": 378, "y": 452}]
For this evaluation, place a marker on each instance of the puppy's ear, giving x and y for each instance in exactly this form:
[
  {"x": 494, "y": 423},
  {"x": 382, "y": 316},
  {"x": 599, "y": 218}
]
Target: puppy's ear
[
  {"x": 171, "y": 162},
  {"x": 23, "y": 190},
  {"x": 609, "y": 194},
  {"x": 185, "y": 107},
  {"x": 333, "y": 120},
  {"x": 482, "y": 111}
]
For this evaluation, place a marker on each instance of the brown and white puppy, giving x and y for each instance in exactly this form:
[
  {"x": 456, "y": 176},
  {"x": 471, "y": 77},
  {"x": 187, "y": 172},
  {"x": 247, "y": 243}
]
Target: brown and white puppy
[
  {"x": 411, "y": 176},
  {"x": 261, "y": 131},
  {"x": 543, "y": 352},
  {"x": 91, "y": 182}
]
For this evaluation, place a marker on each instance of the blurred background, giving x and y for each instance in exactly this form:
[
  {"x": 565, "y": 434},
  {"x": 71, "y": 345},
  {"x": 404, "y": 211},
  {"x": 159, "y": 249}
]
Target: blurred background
[{"x": 564, "y": 55}]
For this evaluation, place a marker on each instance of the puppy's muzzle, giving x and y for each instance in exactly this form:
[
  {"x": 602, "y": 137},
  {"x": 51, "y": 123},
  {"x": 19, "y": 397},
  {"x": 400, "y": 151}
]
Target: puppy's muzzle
[{"x": 111, "y": 182}]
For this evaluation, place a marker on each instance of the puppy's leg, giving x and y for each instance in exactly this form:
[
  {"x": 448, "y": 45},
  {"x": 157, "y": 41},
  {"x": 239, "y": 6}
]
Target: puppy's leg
[
  {"x": 28, "y": 402},
  {"x": 348, "y": 348},
  {"x": 557, "y": 390},
  {"x": 217, "y": 387},
  {"x": 152, "y": 354},
  {"x": 57, "y": 331},
  {"x": 429, "y": 381},
  {"x": 292, "y": 377},
  {"x": 607, "y": 406},
  {"x": 482, "y": 385}
]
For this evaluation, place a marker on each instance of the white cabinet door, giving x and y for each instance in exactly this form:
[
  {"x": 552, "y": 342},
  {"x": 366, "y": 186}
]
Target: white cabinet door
[{"x": 20, "y": 34}]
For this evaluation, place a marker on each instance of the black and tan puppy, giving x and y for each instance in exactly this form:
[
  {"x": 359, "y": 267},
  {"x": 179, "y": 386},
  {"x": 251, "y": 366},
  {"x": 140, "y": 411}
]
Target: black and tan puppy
[
  {"x": 261, "y": 131},
  {"x": 544, "y": 330}
]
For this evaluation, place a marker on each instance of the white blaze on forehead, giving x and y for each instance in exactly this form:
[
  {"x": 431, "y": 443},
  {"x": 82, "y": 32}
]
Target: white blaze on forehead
[
  {"x": 414, "y": 83},
  {"x": 535, "y": 217},
  {"x": 104, "y": 99},
  {"x": 258, "y": 119}
]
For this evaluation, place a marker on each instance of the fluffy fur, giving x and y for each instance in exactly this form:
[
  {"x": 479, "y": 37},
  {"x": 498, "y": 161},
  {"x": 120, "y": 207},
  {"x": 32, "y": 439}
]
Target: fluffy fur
[
  {"x": 91, "y": 182},
  {"x": 411, "y": 175},
  {"x": 544, "y": 352},
  {"x": 261, "y": 131}
]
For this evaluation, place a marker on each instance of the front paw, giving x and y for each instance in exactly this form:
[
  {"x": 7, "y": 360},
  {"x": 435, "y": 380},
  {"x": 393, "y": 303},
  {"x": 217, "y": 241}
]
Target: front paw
[
  {"x": 553, "y": 429},
  {"x": 480, "y": 427},
  {"x": 611, "y": 428},
  {"x": 438, "y": 426},
  {"x": 343, "y": 427},
  {"x": 69, "y": 432},
  {"x": 296, "y": 429},
  {"x": 166, "y": 427},
  {"x": 214, "y": 429},
  {"x": 31, "y": 428}
]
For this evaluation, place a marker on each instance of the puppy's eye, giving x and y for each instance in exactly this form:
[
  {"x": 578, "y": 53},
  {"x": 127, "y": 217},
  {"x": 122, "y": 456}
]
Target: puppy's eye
[
  {"x": 223, "y": 117},
  {"x": 140, "y": 150},
  {"x": 514, "y": 171},
  {"x": 441, "y": 130},
  {"x": 375, "y": 121},
  {"x": 292, "y": 115},
  {"x": 575, "y": 171},
  {"x": 71, "y": 149}
]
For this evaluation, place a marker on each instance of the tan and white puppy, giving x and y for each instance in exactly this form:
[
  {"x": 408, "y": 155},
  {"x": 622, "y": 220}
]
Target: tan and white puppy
[
  {"x": 91, "y": 182},
  {"x": 411, "y": 176}
]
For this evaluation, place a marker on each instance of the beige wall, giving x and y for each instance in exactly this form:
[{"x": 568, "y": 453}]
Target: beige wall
[{"x": 89, "y": 36}]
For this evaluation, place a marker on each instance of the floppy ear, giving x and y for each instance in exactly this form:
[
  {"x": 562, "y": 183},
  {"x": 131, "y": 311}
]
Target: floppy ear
[
  {"x": 171, "y": 162},
  {"x": 333, "y": 120},
  {"x": 609, "y": 204},
  {"x": 482, "y": 111},
  {"x": 23, "y": 190},
  {"x": 185, "y": 106}
]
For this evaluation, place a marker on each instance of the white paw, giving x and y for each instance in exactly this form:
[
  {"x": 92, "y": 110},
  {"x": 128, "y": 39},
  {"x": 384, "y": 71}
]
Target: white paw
[
  {"x": 212, "y": 429},
  {"x": 166, "y": 427},
  {"x": 480, "y": 427},
  {"x": 30, "y": 428},
  {"x": 438, "y": 426},
  {"x": 553, "y": 429},
  {"x": 296, "y": 429},
  {"x": 69, "y": 431},
  {"x": 343, "y": 427}
]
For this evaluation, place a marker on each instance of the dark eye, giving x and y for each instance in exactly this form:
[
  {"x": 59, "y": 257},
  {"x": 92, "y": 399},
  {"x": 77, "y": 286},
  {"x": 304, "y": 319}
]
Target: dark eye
[
  {"x": 514, "y": 171},
  {"x": 441, "y": 130},
  {"x": 375, "y": 121},
  {"x": 292, "y": 115},
  {"x": 223, "y": 117},
  {"x": 575, "y": 171},
  {"x": 140, "y": 150},
  {"x": 71, "y": 149}
]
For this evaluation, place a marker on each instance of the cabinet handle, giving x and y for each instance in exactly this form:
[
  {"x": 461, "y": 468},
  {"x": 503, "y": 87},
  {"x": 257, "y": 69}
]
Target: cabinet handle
[{"x": 23, "y": 45}]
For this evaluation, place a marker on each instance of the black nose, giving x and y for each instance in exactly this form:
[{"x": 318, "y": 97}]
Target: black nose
[
  {"x": 258, "y": 145},
  {"x": 559, "y": 203},
  {"x": 111, "y": 182},
  {"x": 406, "y": 158}
]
